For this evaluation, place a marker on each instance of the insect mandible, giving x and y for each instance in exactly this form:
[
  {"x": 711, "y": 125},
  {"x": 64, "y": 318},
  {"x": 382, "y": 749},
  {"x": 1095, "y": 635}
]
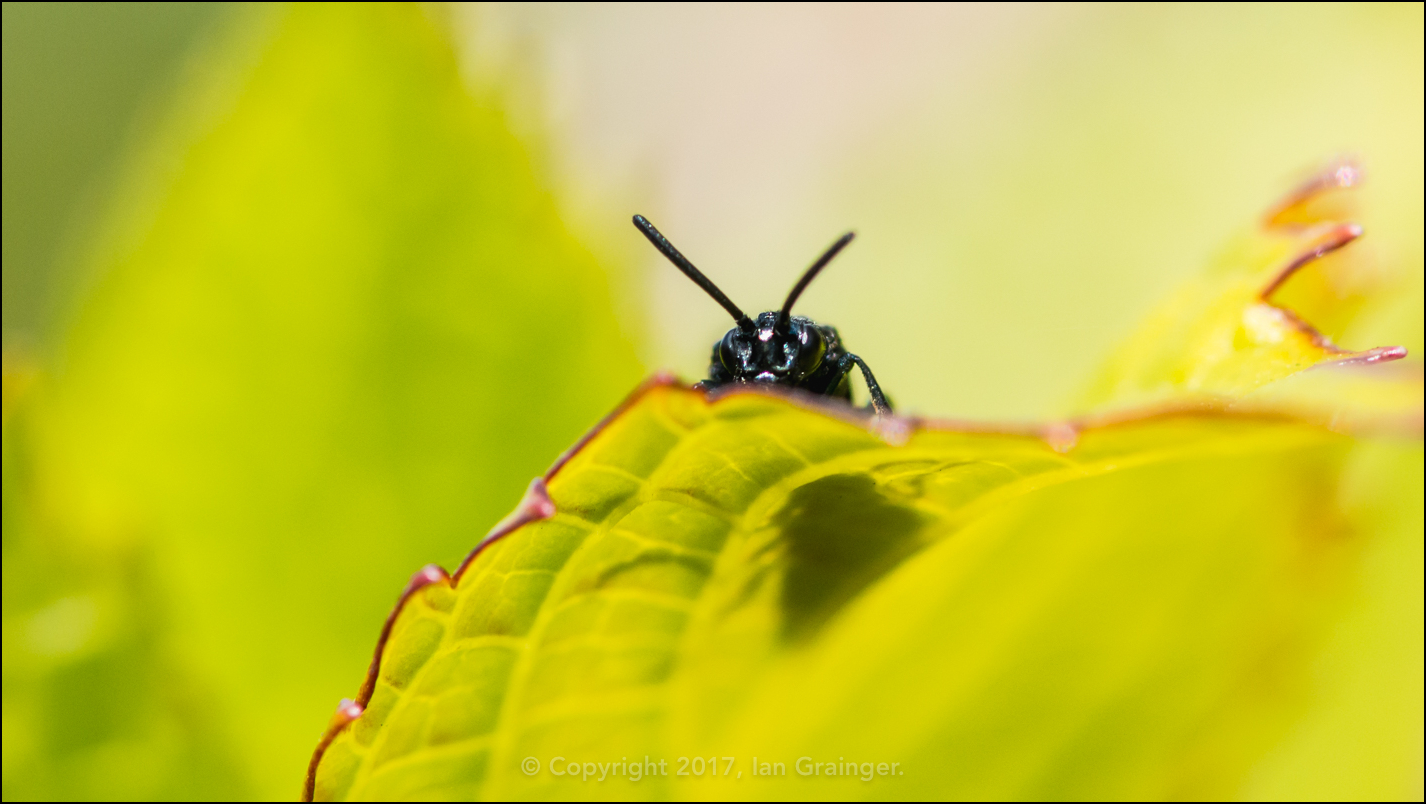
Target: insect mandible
[{"x": 779, "y": 348}]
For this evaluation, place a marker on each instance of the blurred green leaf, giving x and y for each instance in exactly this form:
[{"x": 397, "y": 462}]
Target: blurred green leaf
[
  {"x": 97, "y": 706},
  {"x": 77, "y": 76},
  {"x": 336, "y": 324}
]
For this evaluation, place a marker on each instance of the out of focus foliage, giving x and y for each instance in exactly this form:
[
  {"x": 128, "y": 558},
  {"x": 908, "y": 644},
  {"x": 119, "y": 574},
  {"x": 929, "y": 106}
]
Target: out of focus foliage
[
  {"x": 330, "y": 323},
  {"x": 335, "y": 327},
  {"x": 76, "y": 77}
]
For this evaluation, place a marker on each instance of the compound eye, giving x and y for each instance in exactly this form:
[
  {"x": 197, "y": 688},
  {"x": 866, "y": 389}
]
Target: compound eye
[
  {"x": 811, "y": 349},
  {"x": 732, "y": 352}
]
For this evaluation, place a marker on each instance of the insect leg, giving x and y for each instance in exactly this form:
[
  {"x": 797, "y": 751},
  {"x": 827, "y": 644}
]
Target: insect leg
[{"x": 878, "y": 399}]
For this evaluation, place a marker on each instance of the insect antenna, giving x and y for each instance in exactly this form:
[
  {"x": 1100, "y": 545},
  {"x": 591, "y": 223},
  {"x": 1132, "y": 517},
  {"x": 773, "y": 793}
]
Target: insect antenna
[
  {"x": 785, "y": 315},
  {"x": 681, "y": 262}
]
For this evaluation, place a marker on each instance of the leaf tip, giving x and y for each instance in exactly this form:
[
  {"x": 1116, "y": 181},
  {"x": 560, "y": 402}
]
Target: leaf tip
[
  {"x": 1061, "y": 436},
  {"x": 347, "y": 711},
  {"x": 533, "y": 507},
  {"x": 1381, "y": 354},
  {"x": 429, "y": 574},
  {"x": 1300, "y": 207}
]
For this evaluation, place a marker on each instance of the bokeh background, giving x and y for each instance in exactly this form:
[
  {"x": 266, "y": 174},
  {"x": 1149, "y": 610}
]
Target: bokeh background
[{"x": 297, "y": 299}]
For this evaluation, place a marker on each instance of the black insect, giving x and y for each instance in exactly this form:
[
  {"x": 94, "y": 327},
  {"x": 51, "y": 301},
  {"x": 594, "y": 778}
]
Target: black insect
[{"x": 779, "y": 348}]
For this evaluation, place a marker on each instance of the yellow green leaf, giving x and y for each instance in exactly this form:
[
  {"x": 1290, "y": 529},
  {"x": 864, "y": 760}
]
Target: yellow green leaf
[
  {"x": 820, "y": 604},
  {"x": 752, "y": 576}
]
